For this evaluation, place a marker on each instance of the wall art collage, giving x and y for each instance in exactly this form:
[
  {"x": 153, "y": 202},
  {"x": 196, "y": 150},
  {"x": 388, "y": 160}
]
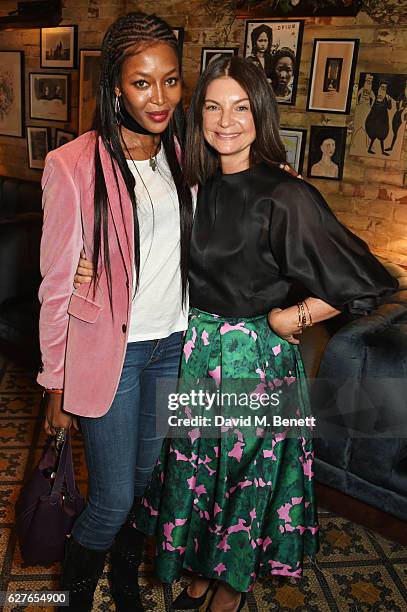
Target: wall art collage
[{"x": 379, "y": 120}]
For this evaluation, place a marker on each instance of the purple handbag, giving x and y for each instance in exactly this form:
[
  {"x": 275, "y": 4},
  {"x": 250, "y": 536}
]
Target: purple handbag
[{"x": 47, "y": 507}]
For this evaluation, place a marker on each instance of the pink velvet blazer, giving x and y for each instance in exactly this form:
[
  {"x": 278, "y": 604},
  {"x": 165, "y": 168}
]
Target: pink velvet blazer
[{"x": 83, "y": 342}]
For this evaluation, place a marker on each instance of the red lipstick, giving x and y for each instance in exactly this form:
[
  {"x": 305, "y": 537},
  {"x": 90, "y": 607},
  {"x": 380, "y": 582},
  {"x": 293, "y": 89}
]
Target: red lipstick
[{"x": 159, "y": 117}]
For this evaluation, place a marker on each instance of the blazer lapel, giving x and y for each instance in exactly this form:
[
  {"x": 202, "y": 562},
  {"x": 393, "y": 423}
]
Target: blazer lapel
[{"x": 122, "y": 215}]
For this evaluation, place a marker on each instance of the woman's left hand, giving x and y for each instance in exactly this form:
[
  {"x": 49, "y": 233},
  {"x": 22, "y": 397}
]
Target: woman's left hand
[{"x": 283, "y": 324}]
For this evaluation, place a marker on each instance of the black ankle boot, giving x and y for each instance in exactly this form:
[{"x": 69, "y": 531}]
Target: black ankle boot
[
  {"x": 125, "y": 558},
  {"x": 81, "y": 571}
]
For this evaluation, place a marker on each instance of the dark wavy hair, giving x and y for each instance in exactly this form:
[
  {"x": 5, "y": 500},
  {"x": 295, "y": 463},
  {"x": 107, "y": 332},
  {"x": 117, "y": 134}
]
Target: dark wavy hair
[
  {"x": 126, "y": 36},
  {"x": 201, "y": 161}
]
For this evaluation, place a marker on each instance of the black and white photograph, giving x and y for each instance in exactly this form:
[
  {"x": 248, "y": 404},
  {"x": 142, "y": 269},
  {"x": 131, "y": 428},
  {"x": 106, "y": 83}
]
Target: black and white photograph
[
  {"x": 326, "y": 152},
  {"x": 275, "y": 46},
  {"x": 50, "y": 96},
  {"x": 59, "y": 47},
  {"x": 62, "y": 137},
  {"x": 380, "y": 116},
  {"x": 12, "y": 93},
  {"x": 38, "y": 146},
  {"x": 294, "y": 143},
  {"x": 89, "y": 74},
  {"x": 332, "y": 76},
  {"x": 208, "y": 54}
]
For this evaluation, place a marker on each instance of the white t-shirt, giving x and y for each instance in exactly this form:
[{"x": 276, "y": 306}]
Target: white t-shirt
[{"x": 157, "y": 305}]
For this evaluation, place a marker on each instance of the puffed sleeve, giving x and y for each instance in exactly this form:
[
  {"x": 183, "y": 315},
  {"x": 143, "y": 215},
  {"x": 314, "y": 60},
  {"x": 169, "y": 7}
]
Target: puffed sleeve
[{"x": 311, "y": 246}]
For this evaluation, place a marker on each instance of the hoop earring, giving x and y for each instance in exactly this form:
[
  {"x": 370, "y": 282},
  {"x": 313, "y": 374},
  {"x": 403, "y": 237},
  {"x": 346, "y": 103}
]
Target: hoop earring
[{"x": 116, "y": 107}]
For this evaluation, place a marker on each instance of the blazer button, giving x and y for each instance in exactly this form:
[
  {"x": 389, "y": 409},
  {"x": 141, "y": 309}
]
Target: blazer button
[{"x": 124, "y": 328}]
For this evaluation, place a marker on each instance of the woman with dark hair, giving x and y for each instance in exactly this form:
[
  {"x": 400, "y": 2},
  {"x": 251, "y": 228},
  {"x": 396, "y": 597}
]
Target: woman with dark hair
[
  {"x": 262, "y": 41},
  {"x": 240, "y": 505},
  {"x": 282, "y": 70},
  {"x": 116, "y": 192}
]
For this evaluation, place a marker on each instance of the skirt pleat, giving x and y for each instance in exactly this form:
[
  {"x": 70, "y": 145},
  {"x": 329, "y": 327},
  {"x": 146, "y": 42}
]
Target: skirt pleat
[{"x": 240, "y": 505}]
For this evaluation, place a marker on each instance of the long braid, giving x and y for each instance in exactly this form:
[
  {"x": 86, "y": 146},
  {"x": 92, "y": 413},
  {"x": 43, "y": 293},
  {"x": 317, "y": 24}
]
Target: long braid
[{"x": 125, "y": 37}]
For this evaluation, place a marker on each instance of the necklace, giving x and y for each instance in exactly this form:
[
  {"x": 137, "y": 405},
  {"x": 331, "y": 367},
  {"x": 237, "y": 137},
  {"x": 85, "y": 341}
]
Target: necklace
[
  {"x": 152, "y": 157},
  {"x": 153, "y": 163}
]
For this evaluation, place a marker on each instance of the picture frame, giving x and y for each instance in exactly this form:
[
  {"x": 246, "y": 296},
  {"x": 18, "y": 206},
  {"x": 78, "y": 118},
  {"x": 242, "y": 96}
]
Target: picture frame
[
  {"x": 208, "y": 54},
  {"x": 380, "y": 117},
  {"x": 62, "y": 137},
  {"x": 59, "y": 47},
  {"x": 12, "y": 93},
  {"x": 275, "y": 46},
  {"x": 326, "y": 152},
  {"x": 294, "y": 141},
  {"x": 89, "y": 72},
  {"x": 332, "y": 75},
  {"x": 179, "y": 34},
  {"x": 298, "y": 8},
  {"x": 50, "y": 97},
  {"x": 37, "y": 146}
]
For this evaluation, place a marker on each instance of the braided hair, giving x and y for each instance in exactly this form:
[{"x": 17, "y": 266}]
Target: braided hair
[{"x": 123, "y": 39}]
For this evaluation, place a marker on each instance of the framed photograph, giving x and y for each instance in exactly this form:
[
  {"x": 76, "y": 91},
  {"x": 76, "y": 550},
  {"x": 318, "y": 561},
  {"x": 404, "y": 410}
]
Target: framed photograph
[
  {"x": 38, "y": 146},
  {"x": 275, "y": 46},
  {"x": 179, "y": 35},
  {"x": 89, "y": 73},
  {"x": 294, "y": 143},
  {"x": 208, "y": 54},
  {"x": 332, "y": 74},
  {"x": 12, "y": 93},
  {"x": 380, "y": 117},
  {"x": 50, "y": 96},
  {"x": 326, "y": 152},
  {"x": 59, "y": 47},
  {"x": 62, "y": 137},
  {"x": 298, "y": 8}
]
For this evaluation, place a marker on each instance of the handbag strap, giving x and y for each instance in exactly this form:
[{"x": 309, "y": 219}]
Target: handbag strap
[
  {"x": 65, "y": 472},
  {"x": 48, "y": 456}
]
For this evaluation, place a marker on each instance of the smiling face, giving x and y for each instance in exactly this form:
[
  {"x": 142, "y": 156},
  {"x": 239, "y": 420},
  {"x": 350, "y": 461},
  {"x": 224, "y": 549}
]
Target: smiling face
[
  {"x": 328, "y": 147},
  {"x": 150, "y": 86},
  {"x": 228, "y": 124}
]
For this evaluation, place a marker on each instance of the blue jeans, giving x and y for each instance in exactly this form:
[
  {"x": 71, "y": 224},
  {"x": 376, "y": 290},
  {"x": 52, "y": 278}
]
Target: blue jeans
[{"x": 120, "y": 446}]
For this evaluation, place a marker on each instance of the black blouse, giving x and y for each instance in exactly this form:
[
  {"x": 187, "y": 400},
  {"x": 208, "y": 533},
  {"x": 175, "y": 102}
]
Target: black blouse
[{"x": 264, "y": 239}]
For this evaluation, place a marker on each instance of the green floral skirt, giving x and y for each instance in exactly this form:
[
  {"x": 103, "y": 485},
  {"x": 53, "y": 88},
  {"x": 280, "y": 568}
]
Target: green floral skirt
[{"x": 240, "y": 505}]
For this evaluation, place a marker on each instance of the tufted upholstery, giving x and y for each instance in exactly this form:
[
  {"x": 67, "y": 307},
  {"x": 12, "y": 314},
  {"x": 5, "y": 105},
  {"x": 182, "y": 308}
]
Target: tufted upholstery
[
  {"x": 20, "y": 234},
  {"x": 360, "y": 402}
]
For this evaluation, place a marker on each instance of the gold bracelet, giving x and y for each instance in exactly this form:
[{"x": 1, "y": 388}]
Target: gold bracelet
[
  {"x": 302, "y": 319},
  {"x": 54, "y": 391},
  {"x": 310, "y": 324}
]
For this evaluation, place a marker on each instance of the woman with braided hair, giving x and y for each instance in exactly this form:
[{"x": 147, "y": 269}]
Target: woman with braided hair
[{"x": 116, "y": 193}]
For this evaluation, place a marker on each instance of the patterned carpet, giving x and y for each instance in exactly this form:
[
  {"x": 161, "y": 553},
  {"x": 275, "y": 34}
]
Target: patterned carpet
[{"x": 356, "y": 570}]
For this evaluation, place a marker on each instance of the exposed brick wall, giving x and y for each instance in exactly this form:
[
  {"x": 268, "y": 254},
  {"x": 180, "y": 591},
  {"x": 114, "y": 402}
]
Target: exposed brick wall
[{"x": 370, "y": 200}]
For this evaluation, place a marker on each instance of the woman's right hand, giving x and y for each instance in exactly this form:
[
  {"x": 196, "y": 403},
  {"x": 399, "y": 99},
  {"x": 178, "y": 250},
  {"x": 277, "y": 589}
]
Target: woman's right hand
[
  {"x": 84, "y": 271},
  {"x": 55, "y": 417}
]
